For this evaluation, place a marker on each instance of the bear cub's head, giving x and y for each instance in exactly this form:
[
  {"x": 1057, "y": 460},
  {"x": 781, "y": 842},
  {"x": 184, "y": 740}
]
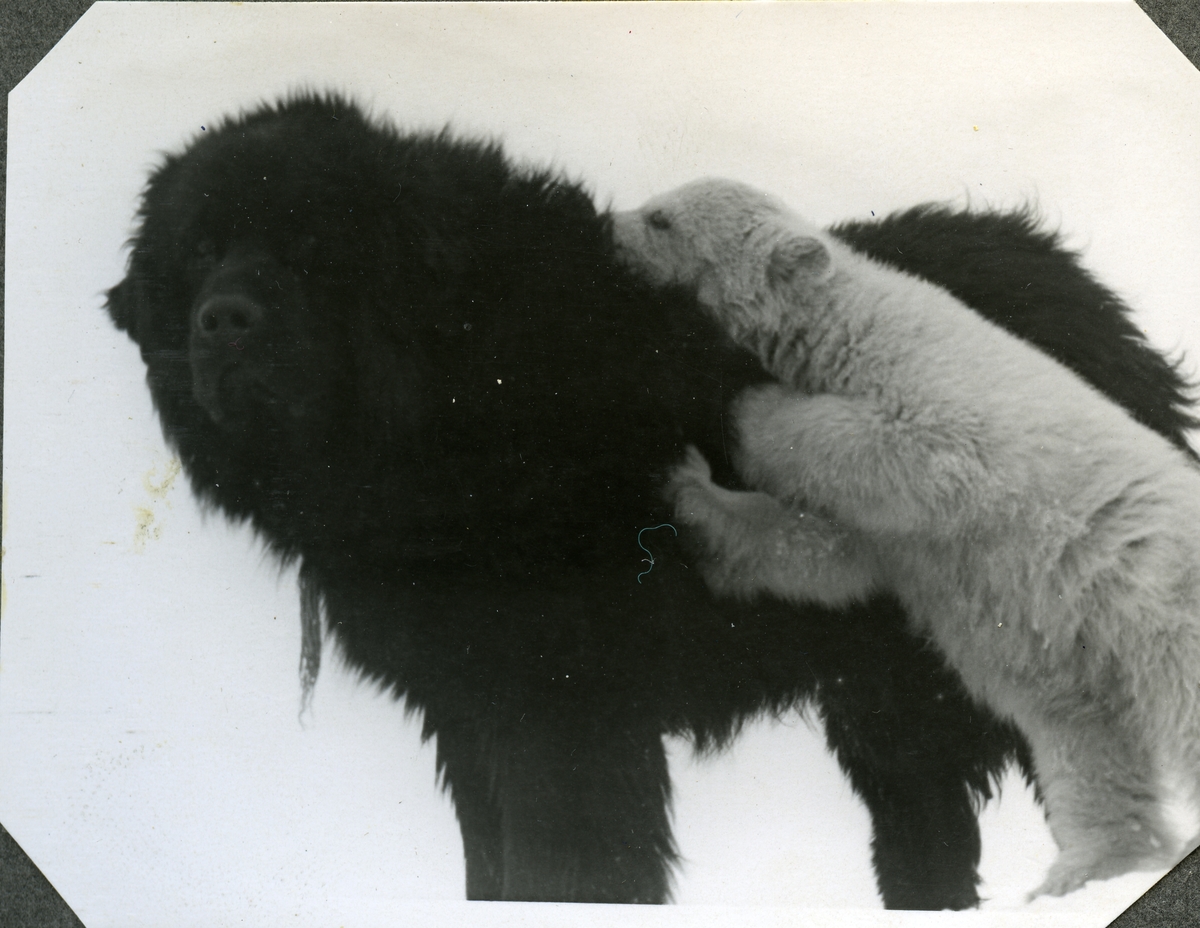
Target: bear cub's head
[{"x": 741, "y": 249}]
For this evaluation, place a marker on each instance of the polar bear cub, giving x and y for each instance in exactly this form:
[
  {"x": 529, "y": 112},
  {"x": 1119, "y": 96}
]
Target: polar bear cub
[{"x": 1046, "y": 542}]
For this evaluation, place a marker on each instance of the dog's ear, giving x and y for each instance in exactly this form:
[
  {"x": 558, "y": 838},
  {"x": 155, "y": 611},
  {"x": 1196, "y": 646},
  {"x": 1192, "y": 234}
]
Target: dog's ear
[
  {"x": 796, "y": 258},
  {"x": 122, "y": 306}
]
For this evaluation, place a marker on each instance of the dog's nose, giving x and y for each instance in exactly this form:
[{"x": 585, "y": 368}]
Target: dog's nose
[{"x": 227, "y": 317}]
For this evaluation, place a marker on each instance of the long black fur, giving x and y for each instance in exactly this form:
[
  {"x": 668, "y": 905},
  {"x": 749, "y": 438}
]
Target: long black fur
[{"x": 419, "y": 370}]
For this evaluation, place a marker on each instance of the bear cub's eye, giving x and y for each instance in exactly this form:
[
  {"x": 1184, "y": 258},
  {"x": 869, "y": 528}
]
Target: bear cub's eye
[{"x": 658, "y": 220}]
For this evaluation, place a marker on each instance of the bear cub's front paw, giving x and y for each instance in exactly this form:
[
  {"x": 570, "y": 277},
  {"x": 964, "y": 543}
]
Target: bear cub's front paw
[{"x": 691, "y": 490}]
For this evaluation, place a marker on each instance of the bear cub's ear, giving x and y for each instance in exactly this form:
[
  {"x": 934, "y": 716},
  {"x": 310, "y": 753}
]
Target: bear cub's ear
[{"x": 798, "y": 258}]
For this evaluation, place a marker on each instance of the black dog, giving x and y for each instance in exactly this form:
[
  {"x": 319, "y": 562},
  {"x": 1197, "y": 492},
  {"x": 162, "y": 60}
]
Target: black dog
[{"x": 420, "y": 371}]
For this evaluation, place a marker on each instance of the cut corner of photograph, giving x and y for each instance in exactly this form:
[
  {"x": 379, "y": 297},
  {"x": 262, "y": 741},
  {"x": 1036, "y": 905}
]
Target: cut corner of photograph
[{"x": 416, "y": 488}]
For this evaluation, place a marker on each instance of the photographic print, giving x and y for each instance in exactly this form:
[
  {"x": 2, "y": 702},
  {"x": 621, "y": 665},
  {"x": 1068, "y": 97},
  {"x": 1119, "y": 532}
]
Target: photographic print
[{"x": 734, "y": 456}]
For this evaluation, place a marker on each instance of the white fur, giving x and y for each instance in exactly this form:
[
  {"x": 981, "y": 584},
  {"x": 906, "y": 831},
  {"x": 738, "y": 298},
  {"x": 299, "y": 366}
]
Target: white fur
[{"x": 1048, "y": 543}]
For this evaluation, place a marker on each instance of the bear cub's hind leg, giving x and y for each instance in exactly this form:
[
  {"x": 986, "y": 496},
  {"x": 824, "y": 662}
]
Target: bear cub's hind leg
[{"x": 1102, "y": 798}]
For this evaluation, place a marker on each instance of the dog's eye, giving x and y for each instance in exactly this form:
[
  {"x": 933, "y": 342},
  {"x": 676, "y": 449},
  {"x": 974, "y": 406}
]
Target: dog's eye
[{"x": 658, "y": 220}]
